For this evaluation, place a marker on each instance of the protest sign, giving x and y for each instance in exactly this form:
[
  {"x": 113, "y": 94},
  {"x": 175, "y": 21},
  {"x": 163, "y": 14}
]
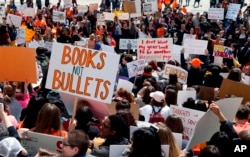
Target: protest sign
[
  {"x": 38, "y": 140},
  {"x": 193, "y": 46},
  {"x": 154, "y": 4},
  {"x": 34, "y": 44},
  {"x": 229, "y": 87},
  {"x": 29, "y": 34},
  {"x": 123, "y": 16},
  {"x": 93, "y": 6},
  {"x": 216, "y": 13},
  {"x": 223, "y": 51},
  {"x": 107, "y": 48},
  {"x": 138, "y": 9},
  {"x": 188, "y": 36},
  {"x": 232, "y": 11},
  {"x": 82, "y": 8},
  {"x": 81, "y": 43},
  {"x": 209, "y": 123},
  {"x": 100, "y": 17},
  {"x": 182, "y": 96},
  {"x": 14, "y": 20},
  {"x": 19, "y": 64},
  {"x": 21, "y": 36},
  {"x": 48, "y": 45},
  {"x": 29, "y": 12},
  {"x": 125, "y": 44},
  {"x": 125, "y": 84},
  {"x": 109, "y": 16},
  {"x": 22, "y": 8},
  {"x": 218, "y": 60},
  {"x": 59, "y": 16},
  {"x": 67, "y": 3},
  {"x": 129, "y": 6},
  {"x": 148, "y": 8},
  {"x": 189, "y": 118},
  {"x": 206, "y": 93},
  {"x": 2, "y": 10},
  {"x": 181, "y": 73},
  {"x": 155, "y": 49},
  {"x": 136, "y": 67},
  {"x": 82, "y": 72}
]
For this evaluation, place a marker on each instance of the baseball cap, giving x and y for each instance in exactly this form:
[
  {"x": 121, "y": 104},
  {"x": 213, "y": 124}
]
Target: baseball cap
[
  {"x": 196, "y": 62},
  {"x": 157, "y": 96},
  {"x": 10, "y": 146}
]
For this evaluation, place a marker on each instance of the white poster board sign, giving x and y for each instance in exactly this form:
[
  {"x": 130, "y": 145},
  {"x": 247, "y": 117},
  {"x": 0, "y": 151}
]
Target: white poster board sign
[
  {"x": 189, "y": 118},
  {"x": 136, "y": 67},
  {"x": 148, "y": 8},
  {"x": 216, "y": 13},
  {"x": 15, "y": 20},
  {"x": 233, "y": 10},
  {"x": 29, "y": 12},
  {"x": 82, "y": 8},
  {"x": 37, "y": 140},
  {"x": 188, "y": 36},
  {"x": 48, "y": 45},
  {"x": 193, "y": 46},
  {"x": 154, "y": 4},
  {"x": 109, "y": 16},
  {"x": 125, "y": 84},
  {"x": 67, "y": 3},
  {"x": 123, "y": 16},
  {"x": 158, "y": 49},
  {"x": 180, "y": 72},
  {"x": 209, "y": 123},
  {"x": 182, "y": 96},
  {"x": 2, "y": 10},
  {"x": 124, "y": 44},
  {"x": 21, "y": 36},
  {"x": 82, "y": 72},
  {"x": 59, "y": 16}
]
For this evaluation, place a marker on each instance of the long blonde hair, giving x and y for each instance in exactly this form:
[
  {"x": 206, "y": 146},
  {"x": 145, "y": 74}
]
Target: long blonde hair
[{"x": 167, "y": 138}]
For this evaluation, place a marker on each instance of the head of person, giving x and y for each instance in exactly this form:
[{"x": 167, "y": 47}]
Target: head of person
[
  {"x": 235, "y": 75},
  {"x": 171, "y": 97},
  {"x": 146, "y": 94},
  {"x": 8, "y": 92},
  {"x": 196, "y": 63},
  {"x": 83, "y": 115},
  {"x": 158, "y": 98},
  {"x": 210, "y": 151},
  {"x": 190, "y": 103},
  {"x": 122, "y": 106},
  {"x": 242, "y": 113},
  {"x": 167, "y": 138},
  {"x": 45, "y": 124},
  {"x": 113, "y": 127},
  {"x": 148, "y": 69},
  {"x": 127, "y": 58},
  {"x": 174, "y": 123},
  {"x": 173, "y": 79},
  {"x": 145, "y": 142},
  {"x": 244, "y": 135},
  {"x": 124, "y": 94},
  {"x": 76, "y": 143}
]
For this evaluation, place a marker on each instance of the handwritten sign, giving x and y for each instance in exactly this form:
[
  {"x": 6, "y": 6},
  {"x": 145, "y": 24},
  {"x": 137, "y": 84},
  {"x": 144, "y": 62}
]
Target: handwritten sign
[
  {"x": 14, "y": 20},
  {"x": 233, "y": 10},
  {"x": 216, "y": 13},
  {"x": 189, "y": 118},
  {"x": 193, "y": 46},
  {"x": 82, "y": 72},
  {"x": 148, "y": 8},
  {"x": 123, "y": 16},
  {"x": 181, "y": 73},
  {"x": 82, "y": 8},
  {"x": 125, "y": 44},
  {"x": 37, "y": 140},
  {"x": 59, "y": 16},
  {"x": 154, "y": 4},
  {"x": 67, "y": 3},
  {"x": 155, "y": 49},
  {"x": 21, "y": 36},
  {"x": 129, "y": 6},
  {"x": 223, "y": 51},
  {"x": 188, "y": 36},
  {"x": 109, "y": 16},
  {"x": 136, "y": 67},
  {"x": 29, "y": 12}
]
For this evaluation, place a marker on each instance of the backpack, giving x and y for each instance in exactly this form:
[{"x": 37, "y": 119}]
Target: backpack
[{"x": 156, "y": 116}]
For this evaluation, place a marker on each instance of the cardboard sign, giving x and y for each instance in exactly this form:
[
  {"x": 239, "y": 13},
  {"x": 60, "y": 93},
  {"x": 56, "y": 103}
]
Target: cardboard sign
[
  {"x": 109, "y": 16},
  {"x": 29, "y": 12},
  {"x": 21, "y": 36},
  {"x": 182, "y": 96},
  {"x": 14, "y": 20},
  {"x": 181, "y": 73},
  {"x": 93, "y": 6},
  {"x": 216, "y": 13},
  {"x": 82, "y": 72},
  {"x": 138, "y": 9},
  {"x": 206, "y": 93},
  {"x": 2, "y": 10},
  {"x": 22, "y": 66},
  {"x": 154, "y": 4},
  {"x": 232, "y": 11},
  {"x": 155, "y": 49},
  {"x": 209, "y": 123},
  {"x": 82, "y": 8},
  {"x": 59, "y": 16},
  {"x": 37, "y": 140},
  {"x": 223, "y": 51},
  {"x": 148, "y": 8},
  {"x": 229, "y": 87},
  {"x": 123, "y": 16},
  {"x": 188, "y": 36},
  {"x": 193, "y": 46},
  {"x": 189, "y": 118},
  {"x": 129, "y": 6},
  {"x": 136, "y": 67},
  {"x": 125, "y": 44}
]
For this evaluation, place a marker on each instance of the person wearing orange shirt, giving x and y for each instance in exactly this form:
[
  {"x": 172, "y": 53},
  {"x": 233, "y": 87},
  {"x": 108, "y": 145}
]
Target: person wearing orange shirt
[{"x": 175, "y": 4}]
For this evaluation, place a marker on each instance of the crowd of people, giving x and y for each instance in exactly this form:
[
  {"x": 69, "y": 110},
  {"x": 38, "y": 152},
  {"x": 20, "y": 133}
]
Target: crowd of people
[{"x": 41, "y": 110}]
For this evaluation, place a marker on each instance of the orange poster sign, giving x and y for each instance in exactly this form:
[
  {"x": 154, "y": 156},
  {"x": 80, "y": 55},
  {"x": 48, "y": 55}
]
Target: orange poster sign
[{"x": 18, "y": 64}]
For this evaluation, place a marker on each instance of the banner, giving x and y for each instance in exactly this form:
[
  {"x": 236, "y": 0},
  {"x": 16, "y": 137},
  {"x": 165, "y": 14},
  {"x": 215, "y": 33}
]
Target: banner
[
  {"x": 29, "y": 12},
  {"x": 193, "y": 46},
  {"x": 148, "y": 8},
  {"x": 21, "y": 36},
  {"x": 109, "y": 16},
  {"x": 129, "y": 6},
  {"x": 82, "y": 72},
  {"x": 82, "y": 8},
  {"x": 123, "y": 16},
  {"x": 136, "y": 67},
  {"x": 189, "y": 118},
  {"x": 155, "y": 49},
  {"x": 14, "y": 20},
  {"x": 232, "y": 11},
  {"x": 223, "y": 51},
  {"x": 180, "y": 72},
  {"x": 19, "y": 64},
  {"x": 125, "y": 44},
  {"x": 38, "y": 140},
  {"x": 59, "y": 16},
  {"x": 216, "y": 13}
]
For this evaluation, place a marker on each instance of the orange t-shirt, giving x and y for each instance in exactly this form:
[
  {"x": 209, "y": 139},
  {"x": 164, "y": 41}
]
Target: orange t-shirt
[
  {"x": 175, "y": 4},
  {"x": 160, "y": 32}
]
